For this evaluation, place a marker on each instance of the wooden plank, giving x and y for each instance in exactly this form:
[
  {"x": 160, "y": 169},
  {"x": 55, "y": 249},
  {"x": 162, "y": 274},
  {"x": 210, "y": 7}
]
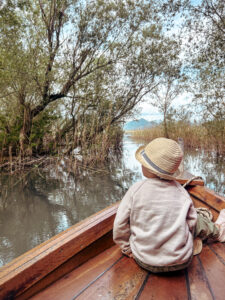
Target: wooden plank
[
  {"x": 28, "y": 269},
  {"x": 83, "y": 256},
  {"x": 199, "y": 287},
  {"x": 122, "y": 281},
  {"x": 168, "y": 286},
  {"x": 215, "y": 272},
  {"x": 207, "y": 196},
  {"x": 77, "y": 280},
  {"x": 219, "y": 249}
]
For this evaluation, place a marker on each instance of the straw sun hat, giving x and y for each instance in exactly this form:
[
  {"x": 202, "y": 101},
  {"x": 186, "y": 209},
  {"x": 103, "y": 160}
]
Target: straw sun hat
[{"x": 162, "y": 157}]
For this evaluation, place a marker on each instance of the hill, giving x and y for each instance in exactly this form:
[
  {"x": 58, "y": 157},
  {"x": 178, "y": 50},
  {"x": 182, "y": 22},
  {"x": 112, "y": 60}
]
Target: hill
[{"x": 139, "y": 124}]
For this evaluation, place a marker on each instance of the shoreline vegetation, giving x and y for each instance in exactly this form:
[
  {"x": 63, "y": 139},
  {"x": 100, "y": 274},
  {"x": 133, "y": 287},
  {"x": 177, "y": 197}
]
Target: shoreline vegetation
[
  {"x": 85, "y": 156},
  {"x": 208, "y": 137}
]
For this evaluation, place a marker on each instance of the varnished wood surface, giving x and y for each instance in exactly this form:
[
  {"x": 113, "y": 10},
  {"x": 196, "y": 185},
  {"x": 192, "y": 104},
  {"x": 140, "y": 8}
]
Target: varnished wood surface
[
  {"x": 207, "y": 197},
  {"x": 76, "y": 281},
  {"x": 214, "y": 268},
  {"x": 171, "y": 286},
  {"x": 89, "y": 252},
  {"x": 111, "y": 276}
]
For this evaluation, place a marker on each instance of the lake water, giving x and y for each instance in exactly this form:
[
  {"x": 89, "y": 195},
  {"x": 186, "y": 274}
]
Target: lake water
[{"x": 35, "y": 207}]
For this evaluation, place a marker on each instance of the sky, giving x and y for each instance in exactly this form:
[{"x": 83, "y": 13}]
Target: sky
[{"x": 150, "y": 113}]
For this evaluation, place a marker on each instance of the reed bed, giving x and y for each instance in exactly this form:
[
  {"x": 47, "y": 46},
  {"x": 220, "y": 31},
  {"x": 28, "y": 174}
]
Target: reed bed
[
  {"x": 88, "y": 154},
  {"x": 194, "y": 136}
]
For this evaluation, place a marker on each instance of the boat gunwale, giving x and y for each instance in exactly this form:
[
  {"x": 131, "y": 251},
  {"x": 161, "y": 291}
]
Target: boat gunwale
[
  {"x": 207, "y": 196},
  {"x": 26, "y": 270},
  {"x": 66, "y": 234}
]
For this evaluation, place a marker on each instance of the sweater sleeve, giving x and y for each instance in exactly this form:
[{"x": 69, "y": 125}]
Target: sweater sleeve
[
  {"x": 192, "y": 217},
  {"x": 121, "y": 227}
]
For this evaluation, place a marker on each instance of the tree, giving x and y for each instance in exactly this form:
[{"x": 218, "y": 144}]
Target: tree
[
  {"x": 163, "y": 97},
  {"x": 204, "y": 33},
  {"x": 53, "y": 54}
]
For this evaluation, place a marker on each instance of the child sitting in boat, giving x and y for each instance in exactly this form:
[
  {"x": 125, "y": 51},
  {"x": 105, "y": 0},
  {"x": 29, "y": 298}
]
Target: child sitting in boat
[{"x": 156, "y": 220}]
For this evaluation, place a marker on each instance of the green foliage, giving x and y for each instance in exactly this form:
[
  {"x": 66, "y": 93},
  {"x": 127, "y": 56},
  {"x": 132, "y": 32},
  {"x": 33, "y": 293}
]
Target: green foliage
[
  {"x": 9, "y": 135},
  {"x": 216, "y": 133},
  {"x": 91, "y": 62},
  {"x": 71, "y": 71},
  {"x": 203, "y": 26},
  {"x": 41, "y": 128}
]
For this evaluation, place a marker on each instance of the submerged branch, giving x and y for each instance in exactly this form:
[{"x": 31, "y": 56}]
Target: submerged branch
[{"x": 17, "y": 164}]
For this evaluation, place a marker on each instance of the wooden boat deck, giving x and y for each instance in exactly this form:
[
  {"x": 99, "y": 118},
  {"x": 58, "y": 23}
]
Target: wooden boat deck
[{"x": 111, "y": 275}]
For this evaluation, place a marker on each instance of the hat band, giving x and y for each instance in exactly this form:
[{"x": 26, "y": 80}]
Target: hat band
[{"x": 148, "y": 160}]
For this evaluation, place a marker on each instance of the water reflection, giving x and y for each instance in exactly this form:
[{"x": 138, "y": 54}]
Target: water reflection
[
  {"x": 209, "y": 166},
  {"x": 45, "y": 202}
]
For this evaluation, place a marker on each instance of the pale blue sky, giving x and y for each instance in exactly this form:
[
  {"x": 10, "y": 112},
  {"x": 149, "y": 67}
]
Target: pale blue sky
[{"x": 150, "y": 113}]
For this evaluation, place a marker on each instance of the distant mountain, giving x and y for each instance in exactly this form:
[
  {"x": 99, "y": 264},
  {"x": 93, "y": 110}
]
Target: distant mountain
[{"x": 139, "y": 124}]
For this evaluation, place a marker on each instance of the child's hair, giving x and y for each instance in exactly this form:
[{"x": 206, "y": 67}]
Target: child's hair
[{"x": 147, "y": 173}]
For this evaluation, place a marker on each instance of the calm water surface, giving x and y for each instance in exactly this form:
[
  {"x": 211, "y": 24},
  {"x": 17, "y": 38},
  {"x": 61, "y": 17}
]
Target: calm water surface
[{"x": 43, "y": 203}]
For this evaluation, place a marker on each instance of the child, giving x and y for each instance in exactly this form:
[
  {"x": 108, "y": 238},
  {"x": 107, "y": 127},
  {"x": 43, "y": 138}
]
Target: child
[{"x": 156, "y": 219}]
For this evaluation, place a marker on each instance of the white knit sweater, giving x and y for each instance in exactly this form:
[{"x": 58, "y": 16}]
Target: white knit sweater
[{"x": 155, "y": 221}]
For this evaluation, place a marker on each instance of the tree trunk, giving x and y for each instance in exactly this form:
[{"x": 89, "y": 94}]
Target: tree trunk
[
  {"x": 165, "y": 127},
  {"x": 25, "y": 131}
]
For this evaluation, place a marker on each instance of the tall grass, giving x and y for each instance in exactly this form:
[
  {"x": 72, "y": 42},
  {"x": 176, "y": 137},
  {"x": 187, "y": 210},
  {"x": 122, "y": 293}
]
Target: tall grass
[{"x": 206, "y": 136}]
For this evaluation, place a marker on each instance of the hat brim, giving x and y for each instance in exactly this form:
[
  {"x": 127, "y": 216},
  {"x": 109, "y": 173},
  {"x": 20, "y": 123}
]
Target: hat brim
[{"x": 139, "y": 157}]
